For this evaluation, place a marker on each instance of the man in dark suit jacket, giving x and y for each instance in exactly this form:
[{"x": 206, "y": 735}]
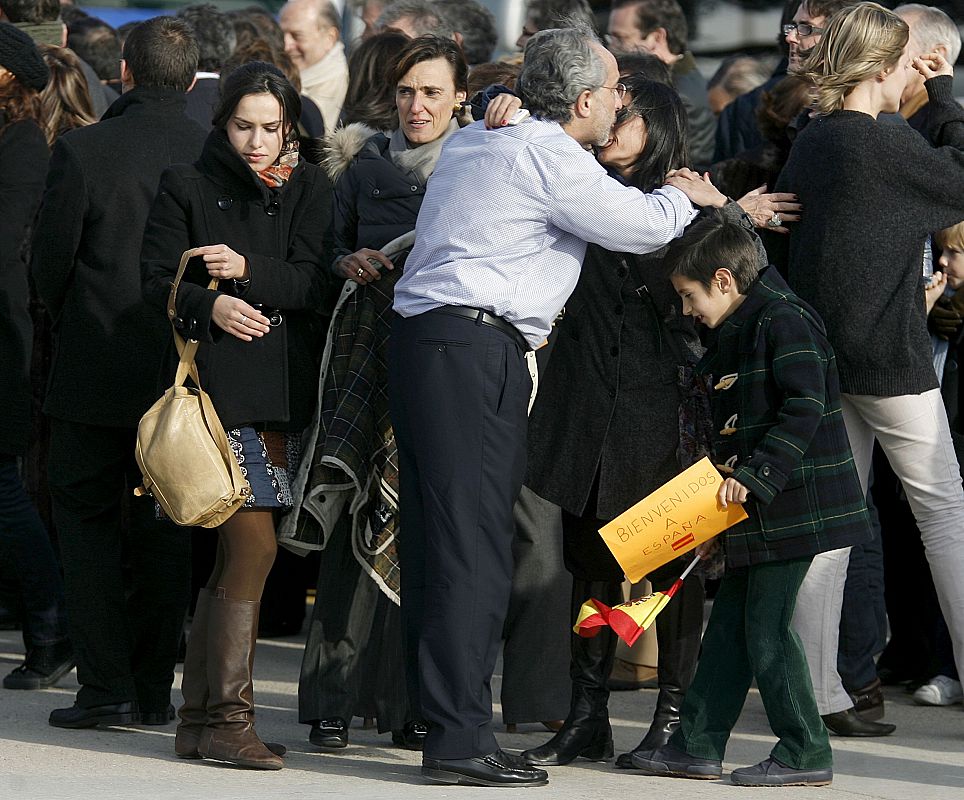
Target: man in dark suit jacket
[
  {"x": 109, "y": 346},
  {"x": 216, "y": 41}
]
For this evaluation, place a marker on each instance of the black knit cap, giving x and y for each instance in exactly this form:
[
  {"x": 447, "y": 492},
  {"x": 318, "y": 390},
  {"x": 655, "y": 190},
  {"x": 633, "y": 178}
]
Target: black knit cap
[{"x": 19, "y": 54}]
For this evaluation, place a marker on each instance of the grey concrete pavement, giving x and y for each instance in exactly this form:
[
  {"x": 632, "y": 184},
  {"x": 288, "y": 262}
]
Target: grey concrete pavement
[{"x": 923, "y": 760}]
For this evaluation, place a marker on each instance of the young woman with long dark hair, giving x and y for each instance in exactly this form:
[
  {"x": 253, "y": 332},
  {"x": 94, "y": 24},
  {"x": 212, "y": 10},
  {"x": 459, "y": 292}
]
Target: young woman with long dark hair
[{"x": 259, "y": 214}]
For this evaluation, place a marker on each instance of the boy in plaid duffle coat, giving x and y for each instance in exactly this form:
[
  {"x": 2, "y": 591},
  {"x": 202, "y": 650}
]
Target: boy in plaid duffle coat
[{"x": 782, "y": 445}]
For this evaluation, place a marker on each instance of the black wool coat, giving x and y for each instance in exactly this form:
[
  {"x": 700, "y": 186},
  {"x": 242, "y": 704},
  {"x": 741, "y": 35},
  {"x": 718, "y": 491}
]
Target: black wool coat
[
  {"x": 23, "y": 166},
  {"x": 108, "y": 344},
  {"x": 608, "y": 403},
  {"x": 269, "y": 383}
]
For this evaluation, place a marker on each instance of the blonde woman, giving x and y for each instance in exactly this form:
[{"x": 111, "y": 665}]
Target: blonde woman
[
  {"x": 873, "y": 191},
  {"x": 65, "y": 100}
]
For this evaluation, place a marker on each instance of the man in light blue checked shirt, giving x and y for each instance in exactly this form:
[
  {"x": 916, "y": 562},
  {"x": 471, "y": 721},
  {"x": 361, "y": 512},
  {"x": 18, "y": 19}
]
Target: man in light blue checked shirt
[{"x": 500, "y": 241}]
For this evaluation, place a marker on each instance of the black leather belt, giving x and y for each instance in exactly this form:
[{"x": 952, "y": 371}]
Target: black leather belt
[{"x": 480, "y": 316}]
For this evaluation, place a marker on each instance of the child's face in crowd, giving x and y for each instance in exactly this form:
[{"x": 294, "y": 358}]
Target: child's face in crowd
[
  {"x": 710, "y": 306},
  {"x": 952, "y": 265}
]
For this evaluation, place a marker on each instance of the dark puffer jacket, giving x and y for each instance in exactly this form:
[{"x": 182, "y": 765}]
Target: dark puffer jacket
[{"x": 374, "y": 201}]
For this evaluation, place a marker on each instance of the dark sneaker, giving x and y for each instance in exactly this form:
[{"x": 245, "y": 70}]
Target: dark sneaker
[
  {"x": 771, "y": 772},
  {"x": 675, "y": 763},
  {"x": 42, "y": 667}
]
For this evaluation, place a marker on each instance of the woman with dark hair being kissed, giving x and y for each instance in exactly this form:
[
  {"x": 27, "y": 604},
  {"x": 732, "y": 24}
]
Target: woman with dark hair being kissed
[
  {"x": 258, "y": 214},
  {"x": 605, "y": 431}
]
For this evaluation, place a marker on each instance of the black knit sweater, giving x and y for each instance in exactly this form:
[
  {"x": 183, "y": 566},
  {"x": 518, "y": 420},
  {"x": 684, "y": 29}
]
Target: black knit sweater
[{"x": 871, "y": 193}]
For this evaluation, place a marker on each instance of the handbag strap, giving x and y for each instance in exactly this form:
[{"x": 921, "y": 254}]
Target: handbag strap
[{"x": 187, "y": 350}]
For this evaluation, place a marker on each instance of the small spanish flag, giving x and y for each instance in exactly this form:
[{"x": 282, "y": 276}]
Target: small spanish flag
[{"x": 628, "y": 620}]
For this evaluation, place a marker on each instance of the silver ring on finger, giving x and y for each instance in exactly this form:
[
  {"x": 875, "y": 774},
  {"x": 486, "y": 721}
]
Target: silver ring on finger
[
  {"x": 243, "y": 319},
  {"x": 774, "y": 221},
  {"x": 360, "y": 272}
]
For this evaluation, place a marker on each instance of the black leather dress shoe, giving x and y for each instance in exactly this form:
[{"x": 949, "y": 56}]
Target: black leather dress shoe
[
  {"x": 412, "y": 736},
  {"x": 78, "y": 717},
  {"x": 869, "y": 701},
  {"x": 496, "y": 769},
  {"x": 850, "y": 723},
  {"x": 157, "y": 717},
  {"x": 332, "y": 734}
]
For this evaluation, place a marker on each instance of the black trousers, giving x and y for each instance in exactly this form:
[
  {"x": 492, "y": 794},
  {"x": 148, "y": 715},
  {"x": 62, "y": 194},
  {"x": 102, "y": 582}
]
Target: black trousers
[
  {"x": 125, "y": 636},
  {"x": 459, "y": 392}
]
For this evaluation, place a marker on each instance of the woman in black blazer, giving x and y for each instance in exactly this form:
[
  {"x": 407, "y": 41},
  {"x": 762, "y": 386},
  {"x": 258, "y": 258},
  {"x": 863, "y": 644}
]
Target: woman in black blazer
[{"x": 260, "y": 215}]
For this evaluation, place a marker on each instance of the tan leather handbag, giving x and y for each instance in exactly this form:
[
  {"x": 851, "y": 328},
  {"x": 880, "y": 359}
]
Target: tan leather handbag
[{"x": 182, "y": 450}]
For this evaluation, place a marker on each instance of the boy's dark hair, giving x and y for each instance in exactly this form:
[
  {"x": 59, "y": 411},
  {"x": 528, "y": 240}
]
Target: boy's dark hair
[
  {"x": 711, "y": 244},
  {"x": 162, "y": 53}
]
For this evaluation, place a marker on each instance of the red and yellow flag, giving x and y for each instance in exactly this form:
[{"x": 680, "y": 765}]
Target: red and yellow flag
[{"x": 628, "y": 620}]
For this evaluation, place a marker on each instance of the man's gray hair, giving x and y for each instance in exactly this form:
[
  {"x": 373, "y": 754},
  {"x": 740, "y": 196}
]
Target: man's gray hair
[
  {"x": 930, "y": 27},
  {"x": 559, "y": 65},
  {"x": 426, "y": 18}
]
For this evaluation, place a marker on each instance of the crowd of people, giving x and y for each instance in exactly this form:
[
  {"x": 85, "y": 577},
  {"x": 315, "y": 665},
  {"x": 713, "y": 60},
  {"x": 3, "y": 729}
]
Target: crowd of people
[{"x": 455, "y": 315}]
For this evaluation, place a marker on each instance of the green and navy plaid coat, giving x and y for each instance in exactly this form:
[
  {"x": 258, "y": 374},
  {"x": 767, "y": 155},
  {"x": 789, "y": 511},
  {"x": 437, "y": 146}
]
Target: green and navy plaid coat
[{"x": 779, "y": 427}]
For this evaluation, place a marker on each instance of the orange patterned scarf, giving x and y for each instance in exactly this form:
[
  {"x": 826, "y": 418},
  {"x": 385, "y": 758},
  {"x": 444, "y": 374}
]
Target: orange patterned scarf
[{"x": 278, "y": 173}]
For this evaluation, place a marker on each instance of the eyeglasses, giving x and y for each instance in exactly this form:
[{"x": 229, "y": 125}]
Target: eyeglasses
[
  {"x": 801, "y": 29},
  {"x": 619, "y": 90}
]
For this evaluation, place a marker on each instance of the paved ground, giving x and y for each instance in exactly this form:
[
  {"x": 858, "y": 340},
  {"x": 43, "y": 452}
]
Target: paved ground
[{"x": 924, "y": 760}]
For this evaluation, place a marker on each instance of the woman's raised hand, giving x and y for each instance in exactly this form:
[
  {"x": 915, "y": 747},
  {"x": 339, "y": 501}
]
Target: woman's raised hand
[
  {"x": 223, "y": 263},
  {"x": 501, "y": 109},
  {"x": 234, "y": 316},
  {"x": 764, "y": 208},
  {"x": 930, "y": 65},
  {"x": 700, "y": 191},
  {"x": 358, "y": 268}
]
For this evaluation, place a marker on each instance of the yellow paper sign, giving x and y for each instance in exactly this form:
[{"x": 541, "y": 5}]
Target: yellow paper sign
[{"x": 676, "y": 518}]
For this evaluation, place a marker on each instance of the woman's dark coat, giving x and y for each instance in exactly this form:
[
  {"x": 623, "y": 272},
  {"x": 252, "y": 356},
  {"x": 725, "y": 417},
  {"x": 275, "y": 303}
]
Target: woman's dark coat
[
  {"x": 780, "y": 427},
  {"x": 23, "y": 168},
  {"x": 375, "y": 201},
  {"x": 270, "y": 383},
  {"x": 609, "y": 401}
]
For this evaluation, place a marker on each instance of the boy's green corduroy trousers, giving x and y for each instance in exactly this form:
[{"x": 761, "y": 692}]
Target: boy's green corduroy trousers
[{"x": 749, "y": 637}]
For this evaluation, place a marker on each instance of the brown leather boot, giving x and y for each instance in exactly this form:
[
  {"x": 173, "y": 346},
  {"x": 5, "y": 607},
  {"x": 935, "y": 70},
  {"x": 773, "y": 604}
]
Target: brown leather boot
[
  {"x": 194, "y": 687},
  {"x": 229, "y": 734},
  {"x": 194, "y": 684}
]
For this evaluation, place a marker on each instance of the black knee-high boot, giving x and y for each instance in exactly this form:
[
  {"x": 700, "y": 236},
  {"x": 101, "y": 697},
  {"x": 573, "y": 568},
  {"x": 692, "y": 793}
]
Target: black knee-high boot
[
  {"x": 586, "y": 731},
  {"x": 679, "y": 630}
]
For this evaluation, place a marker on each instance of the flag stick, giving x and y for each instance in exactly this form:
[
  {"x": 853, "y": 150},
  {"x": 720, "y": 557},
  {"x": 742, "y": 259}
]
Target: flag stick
[{"x": 679, "y": 581}]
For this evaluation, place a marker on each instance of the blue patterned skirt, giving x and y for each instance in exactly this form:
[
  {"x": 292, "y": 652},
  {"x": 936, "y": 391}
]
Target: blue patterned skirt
[{"x": 267, "y": 460}]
